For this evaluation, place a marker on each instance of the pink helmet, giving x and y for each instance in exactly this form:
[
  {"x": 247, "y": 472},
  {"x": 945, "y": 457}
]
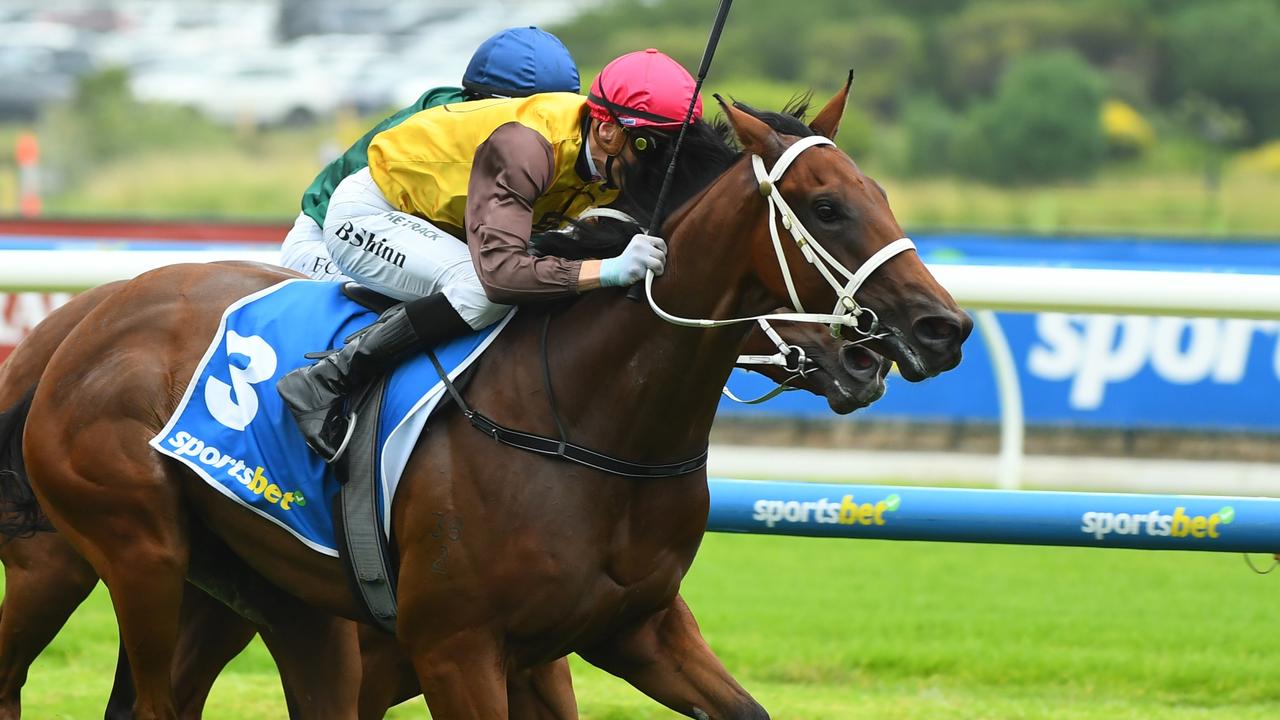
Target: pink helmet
[{"x": 643, "y": 89}]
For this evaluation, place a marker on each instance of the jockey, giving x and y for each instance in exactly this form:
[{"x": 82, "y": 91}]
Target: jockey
[
  {"x": 516, "y": 62},
  {"x": 442, "y": 217}
]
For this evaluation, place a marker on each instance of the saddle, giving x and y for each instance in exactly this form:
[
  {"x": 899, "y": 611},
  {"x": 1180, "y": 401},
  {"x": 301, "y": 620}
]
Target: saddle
[
  {"x": 234, "y": 432},
  {"x": 362, "y": 546}
]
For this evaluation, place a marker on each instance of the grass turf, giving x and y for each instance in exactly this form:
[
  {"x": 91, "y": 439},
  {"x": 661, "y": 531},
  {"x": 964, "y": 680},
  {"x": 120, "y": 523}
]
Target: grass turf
[{"x": 872, "y": 629}]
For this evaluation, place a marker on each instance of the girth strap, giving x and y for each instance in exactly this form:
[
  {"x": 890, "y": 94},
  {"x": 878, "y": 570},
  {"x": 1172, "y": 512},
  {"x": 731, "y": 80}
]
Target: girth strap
[
  {"x": 363, "y": 543},
  {"x": 563, "y": 449}
]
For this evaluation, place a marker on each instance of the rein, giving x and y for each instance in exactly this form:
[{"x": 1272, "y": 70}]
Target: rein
[
  {"x": 771, "y": 394},
  {"x": 561, "y": 447},
  {"x": 847, "y": 311},
  {"x": 789, "y": 357}
]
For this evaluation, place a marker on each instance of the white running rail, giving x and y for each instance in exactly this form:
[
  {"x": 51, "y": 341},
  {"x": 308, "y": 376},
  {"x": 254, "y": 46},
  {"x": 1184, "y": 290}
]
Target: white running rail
[{"x": 982, "y": 288}]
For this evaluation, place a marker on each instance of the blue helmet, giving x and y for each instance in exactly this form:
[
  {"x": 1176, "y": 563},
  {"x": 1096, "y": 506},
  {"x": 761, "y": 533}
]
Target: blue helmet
[{"x": 521, "y": 61}]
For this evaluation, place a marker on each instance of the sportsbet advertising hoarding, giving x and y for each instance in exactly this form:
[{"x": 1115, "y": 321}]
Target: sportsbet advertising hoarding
[{"x": 1156, "y": 522}]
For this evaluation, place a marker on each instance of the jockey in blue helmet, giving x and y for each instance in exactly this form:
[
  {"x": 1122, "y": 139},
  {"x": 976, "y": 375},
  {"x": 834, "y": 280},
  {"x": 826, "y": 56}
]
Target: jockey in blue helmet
[
  {"x": 520, "y": 62},
  {"x": 515, "y": 62}
]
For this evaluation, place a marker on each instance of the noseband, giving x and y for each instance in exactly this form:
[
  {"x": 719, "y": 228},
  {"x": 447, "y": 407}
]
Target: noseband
[{"x": 847, "y": 311}]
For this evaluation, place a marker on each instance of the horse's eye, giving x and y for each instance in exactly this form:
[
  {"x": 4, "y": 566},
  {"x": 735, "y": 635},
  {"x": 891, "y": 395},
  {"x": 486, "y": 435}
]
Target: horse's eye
[{"x": 825, "y": 211}]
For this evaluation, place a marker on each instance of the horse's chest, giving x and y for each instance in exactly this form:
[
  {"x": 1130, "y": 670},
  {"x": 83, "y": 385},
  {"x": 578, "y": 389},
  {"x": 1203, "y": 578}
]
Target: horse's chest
[
  {"x": 643, "y": 566},
  {"x": 637, "y": 584}
]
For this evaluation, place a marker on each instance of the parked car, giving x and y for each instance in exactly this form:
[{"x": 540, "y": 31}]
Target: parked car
[
  {"x": 263, "y": 89},
  {"x": 32, "y": 77}
]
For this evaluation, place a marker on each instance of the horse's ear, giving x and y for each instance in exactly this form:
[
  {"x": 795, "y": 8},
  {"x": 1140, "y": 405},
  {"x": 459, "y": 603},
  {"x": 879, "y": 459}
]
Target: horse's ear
[
  {"x": 756, "y": 137},
  {"x": 827, "y": 123}
]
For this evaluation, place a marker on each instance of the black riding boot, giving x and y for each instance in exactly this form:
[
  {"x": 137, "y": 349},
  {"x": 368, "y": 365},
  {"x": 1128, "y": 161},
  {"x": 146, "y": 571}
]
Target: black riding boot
[{"x": 315, "y": 394}]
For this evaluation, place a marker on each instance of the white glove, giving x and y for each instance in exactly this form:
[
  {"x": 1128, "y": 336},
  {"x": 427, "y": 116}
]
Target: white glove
[{"x": 643, "y": 253}]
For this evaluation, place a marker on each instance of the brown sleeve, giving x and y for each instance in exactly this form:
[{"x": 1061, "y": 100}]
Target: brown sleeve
[{"x": 511, "y": 169}]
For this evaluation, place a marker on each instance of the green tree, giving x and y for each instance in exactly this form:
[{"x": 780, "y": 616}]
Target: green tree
[
  {"x": 104, "y": 101},
  {"x": 977, "y": 45},
  {"x": 102, "y": 122},
  {"x": 1043, "y": 125},
  {"x": 885, "y": 52},
  {"x": 931, "y": 130},
  {"x": 1230, "y": 53}
]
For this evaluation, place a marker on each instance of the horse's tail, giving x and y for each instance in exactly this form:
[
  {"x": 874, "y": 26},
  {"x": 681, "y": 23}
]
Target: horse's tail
[{"x": 20, "y": 513}]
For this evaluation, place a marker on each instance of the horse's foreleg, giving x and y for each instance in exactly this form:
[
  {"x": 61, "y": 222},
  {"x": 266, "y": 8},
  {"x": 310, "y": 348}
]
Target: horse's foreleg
[
  {"x": 666, "y": 658},
  {"x": 543, "y": 692},
  {"x": 463, "y": 676},
  {"x": 45, "y": 580},
  {"x": 318, "y": 655},
  {"x": 453, "y": 639}
]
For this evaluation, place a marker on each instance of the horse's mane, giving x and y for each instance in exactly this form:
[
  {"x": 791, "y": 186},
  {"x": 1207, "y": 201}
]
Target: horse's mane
[
  {"x": 788, "y": 121},
  {"x": 709, "y": 149}
]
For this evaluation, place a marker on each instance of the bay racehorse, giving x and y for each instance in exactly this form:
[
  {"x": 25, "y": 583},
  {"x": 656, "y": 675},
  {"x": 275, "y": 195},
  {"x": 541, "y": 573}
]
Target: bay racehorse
[
  {"x": 45, "y": 579},
  {"x": 597, "y": 558}
]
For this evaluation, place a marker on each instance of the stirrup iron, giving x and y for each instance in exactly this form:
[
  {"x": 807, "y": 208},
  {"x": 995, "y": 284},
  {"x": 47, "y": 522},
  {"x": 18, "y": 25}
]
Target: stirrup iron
[{"x": 346, "y": 439}]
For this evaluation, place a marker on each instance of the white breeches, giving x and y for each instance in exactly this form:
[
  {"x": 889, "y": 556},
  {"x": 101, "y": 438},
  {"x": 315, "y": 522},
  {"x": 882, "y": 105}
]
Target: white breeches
[
  {"x": 304, "y": 250},
  {"x": 401, "y": 255}
]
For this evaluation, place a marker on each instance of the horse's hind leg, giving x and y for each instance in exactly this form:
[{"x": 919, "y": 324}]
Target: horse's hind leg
[
  {"x": 318, "y": 655},
  {"x": 210, "y": 636},
  {"x": 667, "y": 659},
  {"x": 44, "y": 582},
  {"x": 387, "y": 678},
  {"x": 120, "y": 701},
  {"x": 108, "y": 492}
]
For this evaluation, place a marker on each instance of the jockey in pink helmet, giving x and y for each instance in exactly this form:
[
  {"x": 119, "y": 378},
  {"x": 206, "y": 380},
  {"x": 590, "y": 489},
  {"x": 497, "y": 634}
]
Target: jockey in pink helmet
[
  {"x": 442, "y": 216},
  {"x": 643, "y": 89}
]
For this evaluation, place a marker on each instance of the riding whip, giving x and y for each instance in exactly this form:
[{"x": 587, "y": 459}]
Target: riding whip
[{"x": 655, "y": 223}]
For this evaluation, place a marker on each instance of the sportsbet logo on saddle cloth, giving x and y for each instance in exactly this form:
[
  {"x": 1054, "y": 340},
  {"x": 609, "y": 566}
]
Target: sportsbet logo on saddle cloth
[{"x": 233, "y": 430}]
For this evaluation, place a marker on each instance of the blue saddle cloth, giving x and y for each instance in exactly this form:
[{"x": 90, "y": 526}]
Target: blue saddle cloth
[{"x": 235, "y": 432}]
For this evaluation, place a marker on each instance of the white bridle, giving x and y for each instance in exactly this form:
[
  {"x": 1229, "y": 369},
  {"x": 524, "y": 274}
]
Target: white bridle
[
  {"x": 789, "y": 357},
  {"x": 847, "y": 311}
]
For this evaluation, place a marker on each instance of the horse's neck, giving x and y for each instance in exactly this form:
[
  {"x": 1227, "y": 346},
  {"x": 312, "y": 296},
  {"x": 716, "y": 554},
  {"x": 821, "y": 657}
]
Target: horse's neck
[{"x": 632, "y": 385}]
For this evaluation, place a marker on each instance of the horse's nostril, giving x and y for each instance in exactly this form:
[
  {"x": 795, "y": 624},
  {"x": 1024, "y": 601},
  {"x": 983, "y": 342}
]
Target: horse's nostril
[
  {"x": 858, "y": 361},
  {"x": 937, "y": 329}
]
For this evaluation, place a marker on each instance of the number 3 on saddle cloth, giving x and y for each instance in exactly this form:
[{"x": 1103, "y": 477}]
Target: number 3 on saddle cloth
[{"x": 233, "y": 430}]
